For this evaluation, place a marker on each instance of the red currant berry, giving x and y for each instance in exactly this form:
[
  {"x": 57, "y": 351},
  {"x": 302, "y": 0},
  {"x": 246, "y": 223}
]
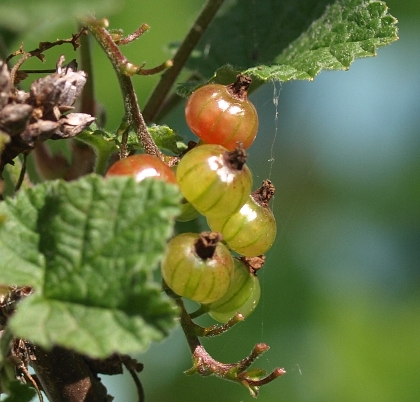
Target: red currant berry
[
  {"x": 242, "y": 296},
  {"x": 198, "y": 267},
  {"x": 214, "y": 180},
  {"x": 223, "y": 115},
  {"x": 250, "y": 231},
  {"x": 142, "y": 166}
]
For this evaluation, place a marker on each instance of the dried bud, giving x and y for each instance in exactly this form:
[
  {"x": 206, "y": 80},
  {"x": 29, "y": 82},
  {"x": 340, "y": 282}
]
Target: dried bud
[
  {"x": 13, "y": 118},
  {"x": 39, "y": 130},
  {"x": 72, "y": 124},
  {"x": 35, "y": 117},
  {"x": 58, "y": 90}
]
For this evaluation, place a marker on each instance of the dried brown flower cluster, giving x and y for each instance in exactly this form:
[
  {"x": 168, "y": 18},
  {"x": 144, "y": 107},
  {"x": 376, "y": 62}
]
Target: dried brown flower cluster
[{"x": 27, "y": 118}]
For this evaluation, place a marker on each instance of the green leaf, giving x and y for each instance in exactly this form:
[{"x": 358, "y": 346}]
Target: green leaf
[
  {"x": 18, "y": 392},
  {"x": 89, "y": 248},
  {"x": 166, "y": 138},
  {"x": 106, "y": 143},
  {"x": 286, "y": 46}
]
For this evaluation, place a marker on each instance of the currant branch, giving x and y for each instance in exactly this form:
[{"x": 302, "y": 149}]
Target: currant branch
[
  {"x": 124, "y": 69},
  {"x": 204, "y": 364}
]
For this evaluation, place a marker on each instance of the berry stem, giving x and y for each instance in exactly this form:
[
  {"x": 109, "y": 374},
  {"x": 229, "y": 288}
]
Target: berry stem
[
  {"x": 215, "y": 330},
  {"x": 204, "y": 364},
  {"x": 131, "y": 106},
  {"x": 168, "y": 78},
  {"x": 133, "y": 36}
]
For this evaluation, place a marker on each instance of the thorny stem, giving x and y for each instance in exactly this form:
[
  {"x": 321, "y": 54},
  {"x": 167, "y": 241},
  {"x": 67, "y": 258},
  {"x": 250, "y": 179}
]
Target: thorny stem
[
  {"x": 43, "y": 46},
  {"x": 168, "y": 78},
  {"x": 204, "y": 364},
  {"x": 120, "y": 64}
]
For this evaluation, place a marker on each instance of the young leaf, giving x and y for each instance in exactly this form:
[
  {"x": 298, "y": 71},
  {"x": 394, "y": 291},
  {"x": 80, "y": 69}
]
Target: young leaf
[
  {"x": 166, "y": 138},
  {"x": 286, "y": 46},
  {"x": 105, "y": 143},
  {"x": 89, "y": 248}
]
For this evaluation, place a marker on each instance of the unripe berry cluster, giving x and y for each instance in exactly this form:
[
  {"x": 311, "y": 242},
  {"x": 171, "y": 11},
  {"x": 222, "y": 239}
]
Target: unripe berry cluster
[{"x": 216, "y": 182}]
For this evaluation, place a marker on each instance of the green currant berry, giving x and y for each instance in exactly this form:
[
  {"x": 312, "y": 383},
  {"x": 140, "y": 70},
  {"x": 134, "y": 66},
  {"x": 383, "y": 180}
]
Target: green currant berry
[
  {"x": 252, "y": 230},
  {"x": 215, "y": 181},
  {"x": 198, "y": 267},
  {"x": 223, "y": 115},
  {"x": 142, "y": 166},
  {"x": 242, "y": 296},
  {"x": 188, "y": 212}
]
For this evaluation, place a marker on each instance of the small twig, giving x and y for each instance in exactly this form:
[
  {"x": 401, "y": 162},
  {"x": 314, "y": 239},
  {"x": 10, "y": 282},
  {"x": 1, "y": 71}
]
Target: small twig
[
  {"x": 130, "y": 38},
  {"x": 204, "y": 364},
  {"x": 155, "y": 70},
  {"x": 216, "y": 329},
  {"x": 43, "y": 46},
  {"x": 220, "y": 329},
  {"x": 272, "y": 376},
  {"x": 258, "y": 350},
  {"x": 29, "y": 377},
  {"x": 139, "y": 386},
  {"x": 123, "y": 130},
  {"x": 121, "y": 66},
  {"x": 46, "y": 71},
  {"x": 168, "y": 78},
  {"x": 22, "y": 173},
  {"x": 17, "y": 173}
]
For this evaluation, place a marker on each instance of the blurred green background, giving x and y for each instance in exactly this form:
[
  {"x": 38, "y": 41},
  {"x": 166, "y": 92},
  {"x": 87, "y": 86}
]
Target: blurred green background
[{"x": 340, "y": 302}]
